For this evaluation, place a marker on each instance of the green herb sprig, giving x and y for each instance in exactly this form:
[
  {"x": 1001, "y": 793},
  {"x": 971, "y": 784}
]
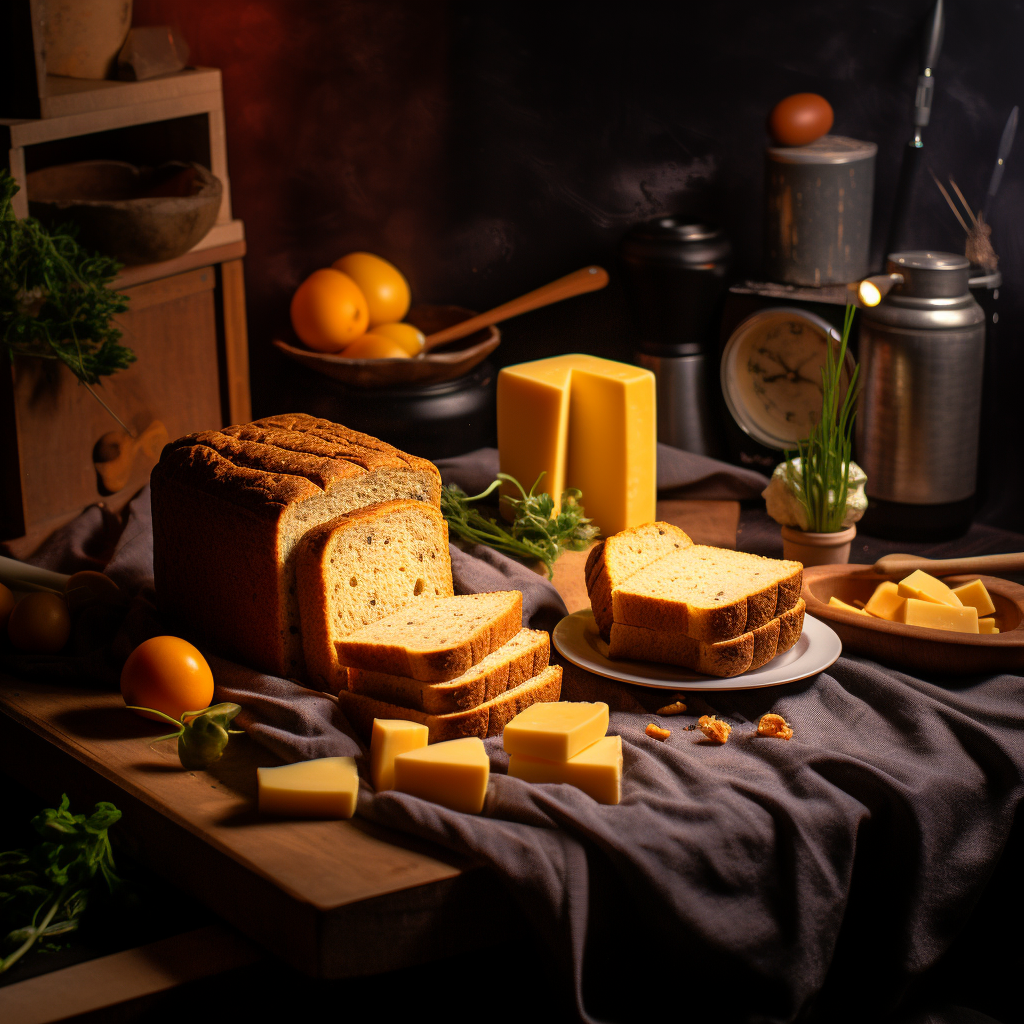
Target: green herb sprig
[
  {"x": 202, "y": 735},
  {"x": 50, "y": 885},
  {"x": 535, "y": 533},
  {"x": 825, "y": 454}
]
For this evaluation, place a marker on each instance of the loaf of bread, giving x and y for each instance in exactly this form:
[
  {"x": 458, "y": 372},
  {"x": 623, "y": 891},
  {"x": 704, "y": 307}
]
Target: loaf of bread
[
  {"x": 523, "y": 657},
  {"x": 437, "y": 639},
  {"x": 487, "y": 719},
  {"x": 709, "y": 594},
  {"x": 361, "y": 567},
  {"x": 229, "y": 508},
  {"x": 726, "y": 658}
]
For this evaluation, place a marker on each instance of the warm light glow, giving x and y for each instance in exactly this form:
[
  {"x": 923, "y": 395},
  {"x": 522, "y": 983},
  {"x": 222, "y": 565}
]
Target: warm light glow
[{"x": 869, "y": 293}]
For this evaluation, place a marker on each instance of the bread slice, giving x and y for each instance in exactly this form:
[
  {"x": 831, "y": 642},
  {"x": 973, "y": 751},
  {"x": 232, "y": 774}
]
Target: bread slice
[
  {"x": 727, "y": 658},
  {"x": 360, "y": 567},
  {"x": 438, "y": 639},
  {"x": 523, "y": 657},
  {"x": 709, "y": 594},
  {"x": 487, "y": 719}
]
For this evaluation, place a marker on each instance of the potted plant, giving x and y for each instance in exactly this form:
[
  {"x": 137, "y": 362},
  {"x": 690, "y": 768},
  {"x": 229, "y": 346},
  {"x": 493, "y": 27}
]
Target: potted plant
[{"x": 817, "y": 495}]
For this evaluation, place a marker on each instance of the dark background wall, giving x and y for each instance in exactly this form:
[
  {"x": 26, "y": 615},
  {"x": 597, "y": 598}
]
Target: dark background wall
[{"x": 486, "y": 148}]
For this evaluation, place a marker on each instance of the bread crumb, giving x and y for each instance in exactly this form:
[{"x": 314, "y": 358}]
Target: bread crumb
[
  {"x": 672, "y": 709},
  {"x": 714, "y": 728},
  {"x": 774, "y": 725},
  {"x": 656, "y": 732}
]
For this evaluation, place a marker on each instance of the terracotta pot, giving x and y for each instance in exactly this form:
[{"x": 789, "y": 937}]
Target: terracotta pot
[
  {"x": 82, "y": 39},
  {"x": 817, "y": 548}
]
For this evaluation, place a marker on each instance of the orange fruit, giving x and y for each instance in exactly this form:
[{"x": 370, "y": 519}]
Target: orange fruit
[
  {"x": 375, "y": 346},
  {"x": 409, "y": 337},
  {"x": 167, "y": 674},
  {"x": 386, "y": 291},
  {"x": 329, "y": 310}
]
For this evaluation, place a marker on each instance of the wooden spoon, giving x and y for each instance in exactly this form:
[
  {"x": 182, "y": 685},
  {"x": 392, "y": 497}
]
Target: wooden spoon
[
  {"x": 589, "y": 279},
  {"x": 895, "y": 564}
]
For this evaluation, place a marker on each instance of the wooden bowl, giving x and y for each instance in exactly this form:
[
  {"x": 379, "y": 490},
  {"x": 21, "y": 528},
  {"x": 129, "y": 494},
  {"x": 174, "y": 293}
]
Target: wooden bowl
[
  {"x": 135, "y": 214},
  {"x": 915, "y": 647},
  {"x": 451, "y": 361}
]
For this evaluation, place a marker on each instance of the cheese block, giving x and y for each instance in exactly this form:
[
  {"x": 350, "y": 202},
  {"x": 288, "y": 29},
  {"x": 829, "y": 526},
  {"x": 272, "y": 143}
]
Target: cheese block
[
  {"x": 596, "y": 769},
  {"x": 323, "y": 788},
  {"x": 923, "y": 587},
  {"x": 842, "y": 605},
  {"x": 914, "y": 612},
  {"x": 583, "y": 422},
  {"x": 974, "y": 595},
  {"x": 453, "y": 774},
  {"x": 885, "y": 602},
  {"x": 987, "y": 626},
  {"x": 391, "y": 737},
  {"x": 556, "y": 731}
]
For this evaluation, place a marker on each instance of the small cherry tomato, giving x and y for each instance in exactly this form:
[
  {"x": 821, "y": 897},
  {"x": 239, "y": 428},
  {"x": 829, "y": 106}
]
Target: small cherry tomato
[
  {"x": 167, "y": 674},
  {"x": 39, "y": 624}
]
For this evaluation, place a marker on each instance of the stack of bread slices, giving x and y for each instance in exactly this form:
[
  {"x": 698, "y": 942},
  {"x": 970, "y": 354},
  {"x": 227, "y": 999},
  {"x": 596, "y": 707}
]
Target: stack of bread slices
[{"x": 659, "y": 597}]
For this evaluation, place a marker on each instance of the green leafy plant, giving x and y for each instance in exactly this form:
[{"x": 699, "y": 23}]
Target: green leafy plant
[
  {"x": 50, "y": 885},
  {"x": 55, "y": 299},
  {"x": 202, "y": 735},
  {"x": 535, "y": 532},
  {"x": 825, "y": 455}
]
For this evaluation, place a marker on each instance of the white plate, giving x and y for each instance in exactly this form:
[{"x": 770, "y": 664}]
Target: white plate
[{"x": 576, "y": 638}]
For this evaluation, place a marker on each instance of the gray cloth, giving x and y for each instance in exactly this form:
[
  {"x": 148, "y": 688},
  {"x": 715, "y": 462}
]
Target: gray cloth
[{"x": 763, "y": 880}]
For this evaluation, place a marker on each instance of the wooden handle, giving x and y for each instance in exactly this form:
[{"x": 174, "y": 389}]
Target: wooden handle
[
  {"x": 589, "y": 279},
  {"x": 894, "y": 564}
]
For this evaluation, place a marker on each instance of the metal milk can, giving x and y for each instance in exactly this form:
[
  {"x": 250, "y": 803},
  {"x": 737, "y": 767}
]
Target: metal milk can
[{"x": 922, "y": 352}]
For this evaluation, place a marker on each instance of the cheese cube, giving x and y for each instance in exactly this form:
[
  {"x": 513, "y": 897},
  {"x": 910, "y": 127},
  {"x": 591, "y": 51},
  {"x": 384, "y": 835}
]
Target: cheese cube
[
  {"x": 885, "y": 602},
  {"x": 927, "y": 588},
  {"x": 585, "y": 422},
  {"x": 323, "y": 788},
  {"x": 975, "y": 595},
  {"x": 557, "y": 730},
  {"x": 453, "y": 773},
  {"x": 391, "y": 737},
  {"x": 597, "y": 770},
  {"x": 987, "y": 626},
  {"x": 836, "y": 603},
  {"x": 938, "y": 616}
]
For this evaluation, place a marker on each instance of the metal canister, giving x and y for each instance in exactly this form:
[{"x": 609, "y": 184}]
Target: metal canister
[
  {"x": 819, "y": 211},
  {"x": 922, "y": 357},
  {"x": 676, "y": 274}
]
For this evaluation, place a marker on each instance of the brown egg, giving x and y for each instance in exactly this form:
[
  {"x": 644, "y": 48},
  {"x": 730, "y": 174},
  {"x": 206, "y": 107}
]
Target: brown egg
[
  {"x": 800, "y": 119},
  {"x": 88, "y": 587},
  {"x": 40, "y": 624},
  {"x": 6, "y": 605}
]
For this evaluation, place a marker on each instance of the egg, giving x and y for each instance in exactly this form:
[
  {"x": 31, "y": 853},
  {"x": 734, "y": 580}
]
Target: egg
[
  {"x": 800, "y": 119},
  {"x": 39, "y": 624},
  {"x": 88, "y": 587},
  {"x": 167, "y": 674}
]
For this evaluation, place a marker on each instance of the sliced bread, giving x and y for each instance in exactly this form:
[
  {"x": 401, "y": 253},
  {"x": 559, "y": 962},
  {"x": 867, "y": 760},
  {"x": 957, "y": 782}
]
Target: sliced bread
[
  {"x": 437, "y": 639},
  {"x": 523, "y": 657},
  {"x": 726, "y": 658},
  {"x": 360, "y": 567},
  {"x": 488, "y": 719}
]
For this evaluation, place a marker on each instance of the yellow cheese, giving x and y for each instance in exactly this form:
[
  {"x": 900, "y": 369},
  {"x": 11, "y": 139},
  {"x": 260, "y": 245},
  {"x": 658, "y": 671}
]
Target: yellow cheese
[
  {"x": 453, "y": 773},
  {"x": 556, "y": 731},
  {"x": 391, "y": 737},
  {"x": 927, "y": 588},
  {"x": 585, "y": 422},
  {"x": 975, "y": 595},
  {"x": 938, "y": 616},
  {"x": 836, "y": 603},
  {"x": 885, "y": 602},
  {"x": 987, "y": 626},
  {"x": 324, "y": 788},
  {"x": 597, "y": 770}
]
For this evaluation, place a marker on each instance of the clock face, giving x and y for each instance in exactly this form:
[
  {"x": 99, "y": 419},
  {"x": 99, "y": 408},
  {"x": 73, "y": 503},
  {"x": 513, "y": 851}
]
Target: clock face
[{"x": 771, "y": 374}]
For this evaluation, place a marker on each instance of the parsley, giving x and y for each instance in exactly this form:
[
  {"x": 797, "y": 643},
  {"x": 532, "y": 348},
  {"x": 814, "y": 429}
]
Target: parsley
[{"x": 535, "y": 533}]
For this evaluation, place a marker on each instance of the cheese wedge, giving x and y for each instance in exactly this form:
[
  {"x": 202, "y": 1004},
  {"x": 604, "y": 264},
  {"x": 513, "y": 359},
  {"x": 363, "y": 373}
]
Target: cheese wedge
[
  {"x": 987, "y": 626},
  {"x": 323, "y": 788},
  {"x": 885, "y": 602},
  {"x": 557, "y": 730},
  {"x": 597, "y": 770},
  {"x": 453, "y": 773},
  {"x": 974, "y": 595},
  {"x": 927, "y": 588},
  {"x": 836, "y": 603},
  {"x": 391, "y": 737},
  {"x": 938, "y": 616}
]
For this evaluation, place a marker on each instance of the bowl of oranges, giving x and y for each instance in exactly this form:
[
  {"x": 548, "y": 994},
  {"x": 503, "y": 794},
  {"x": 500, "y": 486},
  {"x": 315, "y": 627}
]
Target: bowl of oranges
[{"x": 355, "y": 323}]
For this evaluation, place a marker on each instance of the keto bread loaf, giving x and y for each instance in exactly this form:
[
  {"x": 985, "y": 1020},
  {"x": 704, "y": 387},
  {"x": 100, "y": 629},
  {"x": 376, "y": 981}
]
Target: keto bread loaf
[
  {"x": 361, "y": 567},
  {"x": 229, "y": 508},
  {"x": 512, "y": 664},
  {"x": 487, "y": 719},
  {"x": 437, "y": 639}
]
